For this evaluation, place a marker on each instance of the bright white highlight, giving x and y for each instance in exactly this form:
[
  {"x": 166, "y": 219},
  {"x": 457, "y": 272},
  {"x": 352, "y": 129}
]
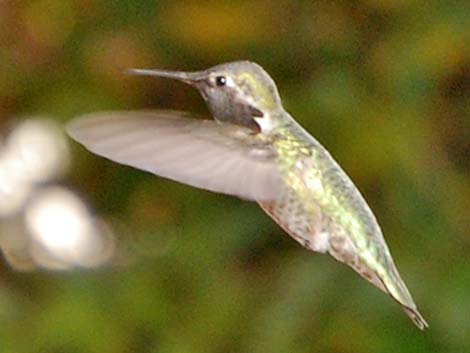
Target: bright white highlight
[
  {"x": 34, "y": 152},
  {"x": 229, "y": 81},
  {"x": 40, "y": 147},
  {"x": 64, "y": 231}
]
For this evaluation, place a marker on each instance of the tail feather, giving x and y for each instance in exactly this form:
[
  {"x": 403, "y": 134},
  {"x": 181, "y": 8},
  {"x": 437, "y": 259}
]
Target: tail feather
[
  {"x": 416, "y": 317},
  {"x": 396, "y": 288}
]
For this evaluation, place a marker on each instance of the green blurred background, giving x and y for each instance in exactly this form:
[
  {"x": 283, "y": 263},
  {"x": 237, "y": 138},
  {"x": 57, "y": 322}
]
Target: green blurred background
[{"x": 384, "y": 85}]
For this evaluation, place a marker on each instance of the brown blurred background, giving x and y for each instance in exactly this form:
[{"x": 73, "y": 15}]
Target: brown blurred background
[{"x": 101, "y": 258}]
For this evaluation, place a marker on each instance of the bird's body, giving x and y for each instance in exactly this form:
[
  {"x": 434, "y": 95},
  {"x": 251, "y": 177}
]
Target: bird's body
[
  {"x": 255, "y": 150},
  {"x": 323, "y": 210}
]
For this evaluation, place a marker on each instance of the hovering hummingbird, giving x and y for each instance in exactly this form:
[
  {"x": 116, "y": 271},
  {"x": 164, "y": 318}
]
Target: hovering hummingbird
[{"x": 255, "y": 150}]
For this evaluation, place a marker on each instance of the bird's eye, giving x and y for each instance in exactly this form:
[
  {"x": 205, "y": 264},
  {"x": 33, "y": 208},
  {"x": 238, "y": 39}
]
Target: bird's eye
[{"x": 220, "y": 81}]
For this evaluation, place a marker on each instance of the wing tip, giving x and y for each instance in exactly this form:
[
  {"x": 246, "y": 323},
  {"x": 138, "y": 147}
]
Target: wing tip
[{"x": 72, "y": 128}]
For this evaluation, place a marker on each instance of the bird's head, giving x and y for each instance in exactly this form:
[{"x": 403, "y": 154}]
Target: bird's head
[{"x": 239, "y": 92}]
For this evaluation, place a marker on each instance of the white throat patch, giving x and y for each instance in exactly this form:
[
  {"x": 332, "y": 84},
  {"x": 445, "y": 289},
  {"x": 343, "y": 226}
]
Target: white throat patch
[{"x": 265, "y": 122}]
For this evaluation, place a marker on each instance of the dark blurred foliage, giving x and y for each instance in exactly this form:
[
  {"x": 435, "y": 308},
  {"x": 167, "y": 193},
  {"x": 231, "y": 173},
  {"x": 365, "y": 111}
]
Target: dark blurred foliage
[{"x": 384, "y": 85}]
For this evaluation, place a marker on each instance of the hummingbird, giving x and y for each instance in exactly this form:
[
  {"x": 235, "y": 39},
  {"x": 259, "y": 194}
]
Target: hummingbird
[{"x": 255, "y": 150}]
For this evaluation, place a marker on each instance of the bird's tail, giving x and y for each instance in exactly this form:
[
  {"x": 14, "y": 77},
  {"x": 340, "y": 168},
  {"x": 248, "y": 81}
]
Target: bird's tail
[
  {"x": 398, "y": 291},
  {"x": 417, "y": 318}
]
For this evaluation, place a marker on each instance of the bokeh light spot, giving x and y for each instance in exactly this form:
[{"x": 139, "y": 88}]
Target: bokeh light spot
[{"x": 63, "y": 227}]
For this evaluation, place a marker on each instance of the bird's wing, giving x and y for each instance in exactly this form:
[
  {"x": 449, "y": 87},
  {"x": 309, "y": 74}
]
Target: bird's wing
[{"x": 202, "y": 153}]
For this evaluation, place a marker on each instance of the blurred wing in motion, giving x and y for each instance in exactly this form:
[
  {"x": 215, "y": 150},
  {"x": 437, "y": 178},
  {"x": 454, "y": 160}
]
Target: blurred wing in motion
[{"x": 203, "y": 153}]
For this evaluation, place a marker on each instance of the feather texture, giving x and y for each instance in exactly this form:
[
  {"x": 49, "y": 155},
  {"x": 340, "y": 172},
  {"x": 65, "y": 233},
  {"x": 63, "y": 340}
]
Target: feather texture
[{"x": 203, "y": 153}]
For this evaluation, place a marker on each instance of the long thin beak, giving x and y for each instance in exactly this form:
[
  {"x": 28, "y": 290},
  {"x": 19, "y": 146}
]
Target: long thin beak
[{"x": 187, "y": 77}]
